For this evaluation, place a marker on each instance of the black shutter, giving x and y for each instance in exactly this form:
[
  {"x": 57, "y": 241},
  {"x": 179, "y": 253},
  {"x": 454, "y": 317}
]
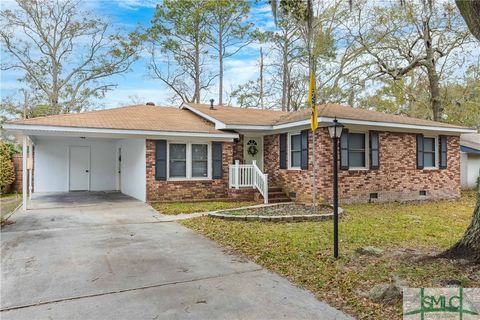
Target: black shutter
[
  {"x": 374, "y": 150},
  {"x": 420, "y": 151},
  {"x": 344, "y": 165},
  {"x": 304, "y": 154},
  {"x": 217, "y": 170},
  {"x": 161, "y": 160},
  {"x": 283, "y": 151},
  {"x": 443, "y": 152}
]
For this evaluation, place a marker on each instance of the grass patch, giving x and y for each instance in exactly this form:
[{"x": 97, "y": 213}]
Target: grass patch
[
  {"x": 175, "y": 208},
  {"x": 302, "y": 252},
  {"x": 8, "y": 203}
]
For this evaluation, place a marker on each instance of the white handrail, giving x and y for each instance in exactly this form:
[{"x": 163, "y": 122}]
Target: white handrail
[{"x": 248, "y": 175}]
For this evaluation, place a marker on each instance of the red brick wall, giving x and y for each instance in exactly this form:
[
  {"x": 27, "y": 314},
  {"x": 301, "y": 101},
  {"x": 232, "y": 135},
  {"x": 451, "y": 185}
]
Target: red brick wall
[
  {"x": 397, "y": 178},
  {"x": 238, "y": 149},
  {"x": 186, "y": 190}
]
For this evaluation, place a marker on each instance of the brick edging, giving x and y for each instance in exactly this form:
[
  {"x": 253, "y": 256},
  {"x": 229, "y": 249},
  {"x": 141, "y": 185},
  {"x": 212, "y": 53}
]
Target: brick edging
[{"x": 283, "y": 218}]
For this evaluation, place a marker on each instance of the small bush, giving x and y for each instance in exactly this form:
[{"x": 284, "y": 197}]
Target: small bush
[{"x": 7, "y": 172}]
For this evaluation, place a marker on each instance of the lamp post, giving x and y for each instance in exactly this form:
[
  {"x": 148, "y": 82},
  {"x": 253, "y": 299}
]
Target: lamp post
[{"x": 335, "y": 131}]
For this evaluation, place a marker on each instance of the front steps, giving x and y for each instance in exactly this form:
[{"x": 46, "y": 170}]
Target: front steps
[{"x": 276, "y": 195}]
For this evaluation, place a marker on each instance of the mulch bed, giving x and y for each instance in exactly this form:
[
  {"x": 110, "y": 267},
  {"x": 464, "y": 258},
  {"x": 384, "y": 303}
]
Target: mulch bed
[{"x": 288, "y": 212}]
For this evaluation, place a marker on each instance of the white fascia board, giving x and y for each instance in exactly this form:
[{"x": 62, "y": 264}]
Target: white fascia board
[
  {"x": 397, "y": 125},
  {"x": 127, "y": 132},
  {"x": 303, "y": 123},
  {"x": 219, "y": 125}
]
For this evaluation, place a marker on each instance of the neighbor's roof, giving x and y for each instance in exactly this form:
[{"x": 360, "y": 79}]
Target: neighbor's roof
[
  {"x": 470, "y": 140},
  {"x": 140, "y": 117},
  {"x": 245, "y": 116}
]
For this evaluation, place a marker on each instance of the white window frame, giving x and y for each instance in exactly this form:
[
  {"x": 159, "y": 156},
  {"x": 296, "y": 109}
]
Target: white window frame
[
  {"x": 189, "y": 161},
  {"x": 367, "y": 152},
  {"x": 289, "y": 142},
  {"x": 435, "y": 146}
]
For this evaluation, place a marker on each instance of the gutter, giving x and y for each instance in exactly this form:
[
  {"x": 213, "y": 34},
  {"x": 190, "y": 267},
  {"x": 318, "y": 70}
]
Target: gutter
[{"x": 128, "y": 132}]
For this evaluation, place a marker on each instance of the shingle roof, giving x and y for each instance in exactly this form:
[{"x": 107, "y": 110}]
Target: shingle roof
[
  {"x": 131, "y": 118},
  {"x": 240, "y": 116},
  {"x": 346, "y": 112},
  {"x": 243, "y": 116},
  {"x": 470, "y": 140}
]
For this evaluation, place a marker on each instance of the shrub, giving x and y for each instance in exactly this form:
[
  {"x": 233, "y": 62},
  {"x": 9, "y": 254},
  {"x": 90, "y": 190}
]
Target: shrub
[{"x": 7, "y": 172}]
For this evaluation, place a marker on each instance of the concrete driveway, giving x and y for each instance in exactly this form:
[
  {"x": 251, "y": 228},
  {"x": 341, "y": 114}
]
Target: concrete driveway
[{"x": 112, "y": 258}]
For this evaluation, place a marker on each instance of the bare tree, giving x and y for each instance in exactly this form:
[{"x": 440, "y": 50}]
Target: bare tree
[
  {"x": 289, "y": 45},
  {"x": 64, "y": 53},
  {"x": 230, "y": 32},
  {"x": 179, "y": 50},
  {"x": 417, "y": 36}
]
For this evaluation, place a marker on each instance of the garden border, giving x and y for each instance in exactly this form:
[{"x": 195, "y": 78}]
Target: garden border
[{"x": 277, "y": 218}]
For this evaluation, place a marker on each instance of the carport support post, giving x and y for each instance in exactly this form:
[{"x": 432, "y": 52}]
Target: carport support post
[
  {"x": 24, "y": 173},
  {"x": 29, "y": 168}
]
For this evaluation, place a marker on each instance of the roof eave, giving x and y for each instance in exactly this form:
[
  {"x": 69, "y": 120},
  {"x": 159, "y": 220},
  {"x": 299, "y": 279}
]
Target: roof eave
[
  {"x": 325, "y": 120},
  {"x": 123, "y": 132}
]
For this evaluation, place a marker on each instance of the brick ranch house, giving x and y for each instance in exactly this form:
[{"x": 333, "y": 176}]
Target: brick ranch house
[{"x": 200, "y": 152}]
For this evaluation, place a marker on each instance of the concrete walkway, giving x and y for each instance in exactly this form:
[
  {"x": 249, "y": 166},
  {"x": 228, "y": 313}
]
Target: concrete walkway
[{"x": 117, "y": 260}]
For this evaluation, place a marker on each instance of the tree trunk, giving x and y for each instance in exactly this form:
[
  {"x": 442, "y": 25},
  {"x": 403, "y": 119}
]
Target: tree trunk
[
  {"x": 469, "y": 246},
  {"x": 196, "y": 96},
  {"x": 433, "y": 80},
  {"x": 261, "y": 79},
  {"x": 470, "y": 11},
  {"x": 285, "y": 73},
  {"x": 220, "y": 62}
]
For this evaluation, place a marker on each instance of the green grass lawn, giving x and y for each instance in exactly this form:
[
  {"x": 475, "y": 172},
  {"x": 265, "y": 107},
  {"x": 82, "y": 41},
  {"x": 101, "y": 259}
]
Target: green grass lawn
[
  {"x": 8, "y": 203},
  {"x": 302, "y": 252},
  {"x": 175, "y": 208}
]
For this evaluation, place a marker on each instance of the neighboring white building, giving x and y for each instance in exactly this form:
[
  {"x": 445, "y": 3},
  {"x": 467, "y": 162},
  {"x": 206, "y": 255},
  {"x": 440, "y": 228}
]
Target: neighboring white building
[{"x": 470, "y": 159}]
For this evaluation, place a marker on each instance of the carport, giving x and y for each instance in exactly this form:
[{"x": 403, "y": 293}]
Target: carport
[{"x": 81, "y": 161}]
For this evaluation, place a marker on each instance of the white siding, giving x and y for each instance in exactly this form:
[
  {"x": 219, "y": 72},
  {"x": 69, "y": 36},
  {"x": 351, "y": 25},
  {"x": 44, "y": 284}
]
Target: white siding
[
  {"x": 470, "y": 168},
  {"x": 133, "y": 179},
  {"x": 52, "y": 163}
]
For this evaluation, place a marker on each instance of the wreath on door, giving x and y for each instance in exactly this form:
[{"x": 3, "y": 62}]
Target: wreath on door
[{"x": 252, "y": 147}]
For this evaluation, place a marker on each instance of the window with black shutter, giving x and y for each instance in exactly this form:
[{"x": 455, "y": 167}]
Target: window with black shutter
[
  {"x": 344, "y": 164},
  {"x": 283, "y": 150},
  {"x": 217, "y": 160},
  {"x": 161, "y": 160},
  {"x": 374, "y": 150},
  {"x": 304, "y": 155},
  {"x": 443, "y": 152}
]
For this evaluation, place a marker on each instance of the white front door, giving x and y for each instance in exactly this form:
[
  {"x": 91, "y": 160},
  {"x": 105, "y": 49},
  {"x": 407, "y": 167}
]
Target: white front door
[
  {"x": 79, "y": 168},
  {"x": 253, "y": 150}
]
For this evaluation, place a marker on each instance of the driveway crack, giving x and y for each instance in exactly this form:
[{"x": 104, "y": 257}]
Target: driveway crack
[{"x": 129, "y": 290}]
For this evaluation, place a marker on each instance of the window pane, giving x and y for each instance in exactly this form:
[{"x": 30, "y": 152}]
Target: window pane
[
  {"x": 178, "y": 151},
  {"x": 178, "y": 169},
  {"x": 356, "y": 141},
  {"x": 429, "y": 159},
  {"x": 428, "y": 144},
  {"x": 356, "y": 159},
  {"x": 296, "y": 159},
  {"x": 199, "y": 152},
  {"x": 199, "y": 169},
  {"x": 295, "y": 142}
]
